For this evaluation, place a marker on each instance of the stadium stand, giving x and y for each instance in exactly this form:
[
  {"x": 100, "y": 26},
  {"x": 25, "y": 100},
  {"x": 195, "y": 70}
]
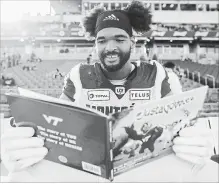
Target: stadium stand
[
  {"x": 205, "y": 74},
  {"x": 43, "y": 81}
]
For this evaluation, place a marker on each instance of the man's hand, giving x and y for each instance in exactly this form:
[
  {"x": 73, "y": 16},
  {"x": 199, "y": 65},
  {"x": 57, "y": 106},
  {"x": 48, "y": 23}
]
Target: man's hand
[
  {"x": 194, "y": 145},
  {"x": 19, "y": 149}
]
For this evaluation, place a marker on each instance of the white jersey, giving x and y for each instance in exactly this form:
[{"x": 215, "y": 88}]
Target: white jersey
[{"x": 87, "y": 86}]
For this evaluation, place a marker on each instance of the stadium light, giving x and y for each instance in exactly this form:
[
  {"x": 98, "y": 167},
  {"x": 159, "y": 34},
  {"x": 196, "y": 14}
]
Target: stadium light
[
  {"x": 148, "y": 5},
  {"x": 148, "y": 40},
  {"x": 80, "y": 33},
  {"x": 62, "y": 33},
  {"x": 43, "y": 33},
  {"x": 200, "y": 6},
  {"x": 85, "y": 4}
]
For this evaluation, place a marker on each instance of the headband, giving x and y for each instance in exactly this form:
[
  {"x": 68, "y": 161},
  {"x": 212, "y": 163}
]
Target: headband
[{"x": 115, "y": 19}]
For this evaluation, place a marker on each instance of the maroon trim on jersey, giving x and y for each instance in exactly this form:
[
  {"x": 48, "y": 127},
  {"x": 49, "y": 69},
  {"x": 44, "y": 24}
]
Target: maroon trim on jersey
[
  {"x": 165, "y": 89},
  {"x": 69, "y": 88}
]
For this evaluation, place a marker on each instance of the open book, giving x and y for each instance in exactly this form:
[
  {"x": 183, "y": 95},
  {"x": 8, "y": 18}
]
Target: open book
[{"x": 106, "y": 146}]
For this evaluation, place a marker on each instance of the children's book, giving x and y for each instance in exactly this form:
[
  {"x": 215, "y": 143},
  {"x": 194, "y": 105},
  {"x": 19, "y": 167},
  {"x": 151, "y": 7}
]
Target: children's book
[{"x": 106, "y": 146}]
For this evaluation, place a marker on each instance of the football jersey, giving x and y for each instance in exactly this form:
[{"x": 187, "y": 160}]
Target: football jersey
[{"x": 87, "y": 86}]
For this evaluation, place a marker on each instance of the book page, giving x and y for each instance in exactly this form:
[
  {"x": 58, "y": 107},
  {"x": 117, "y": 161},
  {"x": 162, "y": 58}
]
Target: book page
[
  {"x": 42, "y": 97},
  {"x": 146, "y": 132}
]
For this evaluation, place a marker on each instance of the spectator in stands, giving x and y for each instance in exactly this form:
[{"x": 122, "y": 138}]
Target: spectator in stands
[
  {"x": 58, "y": 74},
  {"x": 89, "y": 59},
  {"x": 173, "y": 78},
  {"x": 154, "y": 57},
  {"x": 114, "y": 41},
  {"x": 8, "y": 80},
  {"x": 143, "y": 58},
  {"x": 2, "y": 79}
]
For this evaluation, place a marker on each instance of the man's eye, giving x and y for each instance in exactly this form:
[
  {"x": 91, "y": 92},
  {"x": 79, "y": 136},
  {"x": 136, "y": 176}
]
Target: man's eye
[
  {"x": 101, "y": 41},
  {"x": 119, "y": 40}
]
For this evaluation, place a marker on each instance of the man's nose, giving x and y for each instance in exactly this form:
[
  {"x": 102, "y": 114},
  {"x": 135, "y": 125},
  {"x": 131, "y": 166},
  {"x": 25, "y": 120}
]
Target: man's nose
[{"x": 111, "y": 46}]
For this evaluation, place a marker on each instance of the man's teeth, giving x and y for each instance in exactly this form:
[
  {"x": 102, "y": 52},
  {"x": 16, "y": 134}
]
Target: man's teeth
[{"x": 112, "y": 56}]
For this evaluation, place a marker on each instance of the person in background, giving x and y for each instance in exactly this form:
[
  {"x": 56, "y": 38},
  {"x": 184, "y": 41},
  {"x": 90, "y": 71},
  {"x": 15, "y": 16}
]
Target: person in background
[
  {"x": 9, "y": 80},
  {"x": 89, "y": 59},
  {"x": 58, "y": 74}
]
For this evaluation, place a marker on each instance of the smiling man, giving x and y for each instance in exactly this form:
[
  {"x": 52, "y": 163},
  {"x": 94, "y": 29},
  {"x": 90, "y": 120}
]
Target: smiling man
[
  {"x": 115, "y": 82},
  {"x": 111, "y": 85}
]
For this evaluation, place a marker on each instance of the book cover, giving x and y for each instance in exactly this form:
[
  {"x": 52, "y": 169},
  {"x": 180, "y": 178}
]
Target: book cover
[
  {"x": 103, "y": 145},
  {"x": 74, "y": 137}
]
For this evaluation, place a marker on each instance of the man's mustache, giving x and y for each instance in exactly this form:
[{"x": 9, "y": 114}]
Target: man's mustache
[{"x": 110, "y": 53}]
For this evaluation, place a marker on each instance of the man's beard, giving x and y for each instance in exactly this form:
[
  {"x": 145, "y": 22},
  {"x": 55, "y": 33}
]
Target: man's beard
[{"x": 123, "y": 58}]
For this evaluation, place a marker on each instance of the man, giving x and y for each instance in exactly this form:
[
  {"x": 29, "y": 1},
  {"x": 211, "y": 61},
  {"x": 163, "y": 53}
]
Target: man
[
  {"x": 89, "y": 58},
  {"x": 105, "y": 86},
  {"x": 173, "y": 78},
  {"x": 9, "y": 80}
]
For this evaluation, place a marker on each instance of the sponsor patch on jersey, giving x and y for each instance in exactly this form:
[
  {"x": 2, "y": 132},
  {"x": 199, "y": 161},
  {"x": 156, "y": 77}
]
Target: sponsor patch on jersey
[
  {"x": 98, "y": 95},
  {"x": 120, "y": 90},
  {"x": 139, "y": 94}
]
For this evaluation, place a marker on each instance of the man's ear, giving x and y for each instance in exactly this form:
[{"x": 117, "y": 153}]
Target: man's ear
[{"x": 133, "y": 42}]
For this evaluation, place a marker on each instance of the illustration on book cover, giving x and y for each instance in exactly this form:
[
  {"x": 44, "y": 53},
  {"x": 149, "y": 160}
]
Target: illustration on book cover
[{"x": 144, "y": 138}]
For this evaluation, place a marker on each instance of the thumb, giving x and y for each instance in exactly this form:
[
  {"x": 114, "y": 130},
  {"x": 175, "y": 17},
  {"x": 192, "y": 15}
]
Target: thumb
[
  {"x": 194, "y": 131},
  {"x": 192, "y": 159}
]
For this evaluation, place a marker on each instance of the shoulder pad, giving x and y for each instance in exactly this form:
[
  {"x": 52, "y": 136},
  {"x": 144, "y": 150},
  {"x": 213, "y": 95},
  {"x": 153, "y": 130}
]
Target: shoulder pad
[{"x": 88, "y": 76}]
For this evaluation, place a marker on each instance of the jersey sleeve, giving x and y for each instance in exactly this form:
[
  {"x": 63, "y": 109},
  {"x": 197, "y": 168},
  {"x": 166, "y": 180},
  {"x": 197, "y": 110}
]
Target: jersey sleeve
[
  {"x": 72, "y": 84},
  {"x": 69, "y": 87},
  {"x": 162, "y": 81},
  {"x": 165, "y": 86}
]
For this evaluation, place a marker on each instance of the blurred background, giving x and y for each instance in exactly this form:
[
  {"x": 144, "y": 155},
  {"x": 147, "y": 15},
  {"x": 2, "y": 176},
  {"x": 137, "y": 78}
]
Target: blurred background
[{"x": 42, "y": 40}]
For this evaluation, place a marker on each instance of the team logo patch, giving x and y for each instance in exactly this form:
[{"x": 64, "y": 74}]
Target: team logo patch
[
  {"x": 139, "y": 94},
  {"x": 120, "y": 90},
  {"x": 98, "y": 95},
  {"x": 111, "y": 17}
]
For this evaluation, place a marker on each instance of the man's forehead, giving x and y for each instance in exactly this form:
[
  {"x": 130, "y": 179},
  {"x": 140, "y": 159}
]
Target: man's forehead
[{"x": 112, "y": 32}]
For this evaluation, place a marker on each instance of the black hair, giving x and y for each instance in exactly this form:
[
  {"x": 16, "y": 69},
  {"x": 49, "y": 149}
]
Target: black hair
[
  {"x": 140, "y": 18},
  {"x": 169, "y": 65}
]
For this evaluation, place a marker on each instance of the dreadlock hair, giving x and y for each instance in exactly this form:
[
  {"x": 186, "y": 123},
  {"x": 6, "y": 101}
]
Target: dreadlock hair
[{"x": 140, "y": 18}]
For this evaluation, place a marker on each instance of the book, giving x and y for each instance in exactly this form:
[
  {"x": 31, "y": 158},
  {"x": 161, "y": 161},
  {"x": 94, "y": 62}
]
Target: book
[{"x": 106, "y": 146}]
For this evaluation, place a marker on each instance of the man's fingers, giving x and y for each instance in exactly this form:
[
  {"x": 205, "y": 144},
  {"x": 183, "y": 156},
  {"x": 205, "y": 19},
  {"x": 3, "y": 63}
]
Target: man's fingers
[
  {"x": 19, "y": 165},
  {"x": 192, "y": 158},
  {"x": 194, "y": 131},
  {"x": 26, "y": 153},
  {"x": 193, "y": 141},
  {"x": 32, "y": 142},
  {"x": 192, "y": 150},
  {"x": 14, "y": 133},
  {"x": 29, "y": 161}
]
